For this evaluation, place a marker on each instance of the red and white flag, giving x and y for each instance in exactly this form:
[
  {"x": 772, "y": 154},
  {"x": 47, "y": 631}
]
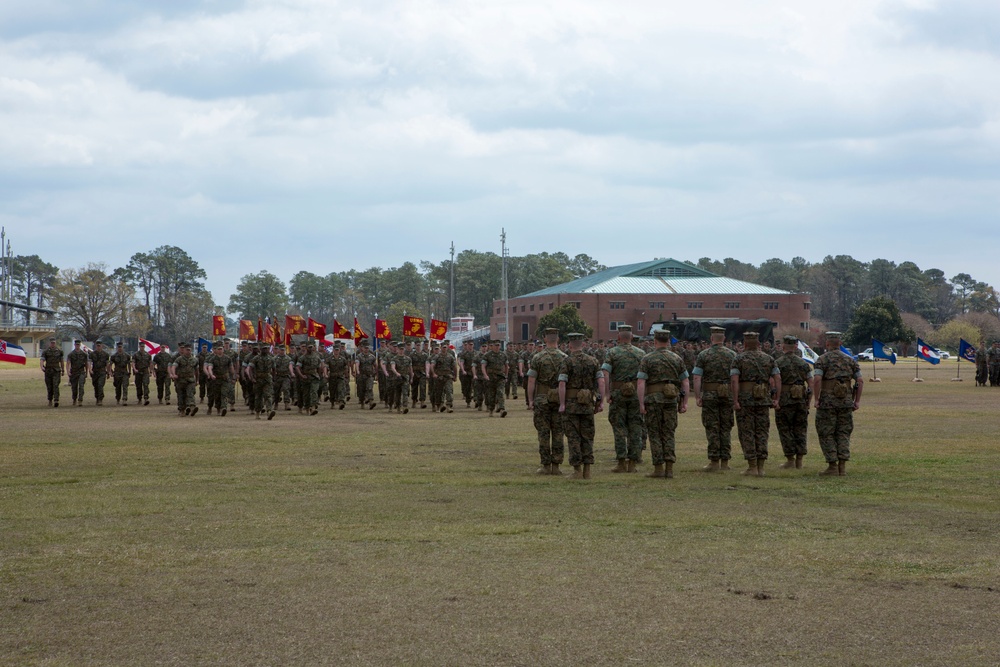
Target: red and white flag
[
  {"x": 150, "y": 346},
  {"x": 12, "y": 353}
]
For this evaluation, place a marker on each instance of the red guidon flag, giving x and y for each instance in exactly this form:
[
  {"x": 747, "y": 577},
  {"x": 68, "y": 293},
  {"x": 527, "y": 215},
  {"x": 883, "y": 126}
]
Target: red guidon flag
[
  {"x": 218, "y": 325},
  {"x": 439, "y": 329},
  {"x": 246, "y": 330},
  {"x": 275, "y": 331},
  {"x": 340, "y": 331},
  {"x": 414, "y": 326},
  {"x": 316, "y": 329},
  {"x": 266, "y": 333},
  {"x": 382, "y": 330},
  {"x": 359, "y": 333}
]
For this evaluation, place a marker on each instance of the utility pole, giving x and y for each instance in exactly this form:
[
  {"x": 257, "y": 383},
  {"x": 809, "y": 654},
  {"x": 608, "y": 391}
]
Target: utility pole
[
  {"x": 451, "y": 292},
  {"x": 504, "y": 295}
]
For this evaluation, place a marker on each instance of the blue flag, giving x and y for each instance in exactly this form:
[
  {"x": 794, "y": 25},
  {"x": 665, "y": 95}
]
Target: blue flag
[
  {"x": 202, "y": 341},
  {"x": 878, "y": 351},
  {"x": 966, "y": 351},
  {"x": 847, "y": 352},
  {"x": 673, "y": 341},
  {"x": 927, "y": 353},
  {"x": 808, "y": 355}
]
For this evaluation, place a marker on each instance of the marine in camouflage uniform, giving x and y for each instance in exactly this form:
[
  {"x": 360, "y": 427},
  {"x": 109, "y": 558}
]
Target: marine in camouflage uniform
[
  {"x": 523, "y": 364},
  {"x": 982, "y": 366},
  {"x": 218, "y": 367},
  {"x": 142, "y": 362},
  {"x": 338, "y": 372},
  {"x": 755, "y": 381},
  {"x": 261, "y": 368},
  {"x": 543, "y": 396},
  {"x": 202, "y": 377},
  {"x": 836, "y": 403},
  {"x": 308, "y": 368},
  {"x": 52, "y": 365},
  {"x": 229, "y": 389},
  {"x": 282, "y": 378},
  {"x": 993, "y": 363},
  {"x": 445, "y": 372},
  {"x": 401, "y": 369},
  {"x": 99, "y": 362},
  {"x": 364, "y": 372},
  {"x": 77, "y": 362},
  {"x": 433, "y": 386},
  {"x": 581, "y": 388},
  {"x": 466, "y": 371},
  {"x": 494, "y": 370},
  {"x": 478, "y": 381},
  {"x": 121, "y": 366},
  {"x": 792, "y": 414},
  {"x": 510, "y": 386},
  {"x": 418, "y": 387},
  {"x": 161, "y": 367},
  {"x": 620, "y": 368},
  {"x": 184, "y": 370},
  {"x": 712, "y": 393},
  {"x": 662, "y": 388}
]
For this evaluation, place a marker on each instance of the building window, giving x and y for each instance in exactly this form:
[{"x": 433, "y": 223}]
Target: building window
[
  {"x": 575, "y": 304},
  {"x": 524, "y": 331},
  {"x": 806, "y": 305},
  {"x": 522, "y": 309},
  {"x": 532, "y": 309},
  {"x": 770, "y": 305},
  {"x": 674, "y": 272},
  {"x": 498, "y": 311},
  {"x": 502, "y": 327},
  {"x": 638, "y": 327},
  {"x": 732, "y": 305},
  {"x": 804, "y": 326},
  {"x": 617, "y": 305},
  {"x": 695, "y": 304},
  {"x": 541, "y": 307},
  {"x": 551, "y": 305},
  {"x": 657, "y": 304},
  {"x": 613, "y": 326}
]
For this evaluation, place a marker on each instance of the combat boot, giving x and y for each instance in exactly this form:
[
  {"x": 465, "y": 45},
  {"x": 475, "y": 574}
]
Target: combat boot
[
  {"x": 760, "y": 467},
  {"x": 831, "y": 469},
  {"x": 556, "y": 471},
  {"x": 544, "y": 470},
  {"x": 668, "y": 469},
  {"x": 630, "y": 466},
  {"x": 798, "y": 461},
  {"x": 621, "y": 467},
  {"x": 713, "y": 466},
  {"x": 724, "y": 464},
  {"x": 503, "y": 413},
  {"x": 160, "y": 401},
  {"x": 789, "y": 463},
  {"x": 751, "y": 470},
  {"x": 586, "y": 471},
  {"x": 657, "y": 471},
  {"x": 577, "y": 472},
  {"x": 270, "y": 415},
  {"x": 842, "y": 468},
  {"x": 194, "y": 410}
]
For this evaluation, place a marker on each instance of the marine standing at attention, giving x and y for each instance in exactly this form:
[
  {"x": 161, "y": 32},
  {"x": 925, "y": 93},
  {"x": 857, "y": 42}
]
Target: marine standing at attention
[
  {"x": 712, "y": 393},
  {"x": 581, "y": 391},
  {"x": 836, "y": 403}
]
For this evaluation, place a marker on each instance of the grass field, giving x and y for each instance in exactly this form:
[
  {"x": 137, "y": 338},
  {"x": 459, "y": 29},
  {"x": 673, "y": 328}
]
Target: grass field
[{"x": 133, "y": 537}]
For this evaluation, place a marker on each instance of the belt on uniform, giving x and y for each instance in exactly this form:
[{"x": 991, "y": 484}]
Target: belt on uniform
[
  {"x": 832, "y": 383},
  {"x": 619, "y": 385},
  {"x": 747, "y": 386},
  {"x": 713, "y": 386}
]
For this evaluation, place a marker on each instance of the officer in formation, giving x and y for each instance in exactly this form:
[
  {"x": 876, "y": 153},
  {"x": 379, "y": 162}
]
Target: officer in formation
[
  {"x": 494, "y": 369},
  {"x": 99, "y": 362},
  {"x": 309, "y": 370},
  {"x": 543, "y": 399},
  {"x": 184, "y": 370},
  {"x": 581, "y": 390},
  {"x": 418, "y": 387},
  {"x": 52, "y": 365},
  {"x": 161, "y": 367},
  {"x": 260, "y": 375},
  {"x": 202, "y": 356},
  {"x": 620, "y": 368},
  {"x": 443, "y": 368},
  {"x": 338, "y": 375},
  {"x": 791, "y": 415},
  {"x": 836, "y": 401},
  {"x": 467, "y": 371},
  {"x": 78, "y": 362},
  {"x": 712, "y": 392},
  {"x": 662, "y": 391},
  {"x": 401, "y": 376},
  {"x": 755, "y": 382},
  {"x": 142, "y": 362},
  {"x": 993, "y": 363},
  {"x": 512, "y": 379},
  {"x": 121, "y": 369},
  {"x": 282, "y": 377},
  {"x": 219, "y": 368},
  {"x": 364, "y": 371}
]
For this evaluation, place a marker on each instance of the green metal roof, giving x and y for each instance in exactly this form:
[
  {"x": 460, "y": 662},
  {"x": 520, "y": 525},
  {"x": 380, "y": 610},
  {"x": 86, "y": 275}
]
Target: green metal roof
[{"x": 657, "y": 268}]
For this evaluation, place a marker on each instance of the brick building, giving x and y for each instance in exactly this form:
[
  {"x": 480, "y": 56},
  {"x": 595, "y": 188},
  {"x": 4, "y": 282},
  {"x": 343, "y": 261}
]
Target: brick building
[{"x": 640, "y": 294}]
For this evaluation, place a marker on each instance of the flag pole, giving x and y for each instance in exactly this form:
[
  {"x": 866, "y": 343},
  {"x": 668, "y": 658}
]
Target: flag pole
[
  {"x": 875, "y": 377},
  {"x": 958, "y": 370},
  {"x": 916, "y": 362}
]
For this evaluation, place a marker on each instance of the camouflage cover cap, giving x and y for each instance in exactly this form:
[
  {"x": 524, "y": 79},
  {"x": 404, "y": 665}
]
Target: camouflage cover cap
[
  {"x": 119, "y": 344},
  {"x": 662, "y": 336},
  {"x": 575, "y": 336},
  {"x": 623, "y": 327},
  {"x": 790, "y": 339},
  {"x": 752, "y": 335},
  {"x": 77, "y": 342},
  {"x": 832, "y": 335},
  {"x": 718, "y": 330},
  {"x": 550, "y": 331}
]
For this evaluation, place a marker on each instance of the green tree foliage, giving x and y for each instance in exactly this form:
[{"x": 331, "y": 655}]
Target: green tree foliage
[
  {"x": 880, "y": 318},
  {"x": 567, "y": 319},
  {"x": 394, "y": 317},
  {"x": 171, "y": 287},
  {"x": 948, "y": 336},
  {"x": 93, "y": 304},
  {"x": 32, "y": 279},
  {"x": 259, "y": 295}
]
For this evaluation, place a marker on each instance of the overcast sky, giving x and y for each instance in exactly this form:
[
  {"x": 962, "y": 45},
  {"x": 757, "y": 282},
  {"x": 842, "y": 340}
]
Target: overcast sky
[{"x": 325, "y": 135}]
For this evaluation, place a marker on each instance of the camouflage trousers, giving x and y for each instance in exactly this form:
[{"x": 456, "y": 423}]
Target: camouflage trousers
[
  {"x": 282, "y": 390},
  {"x": 753, "y": 423},
  {"x": 366, "y": 389},
  {"x": 52, "y": 380},
  {"x": 162, "y": 386},
  {"x": 230, "y": 392},
  {"x": 478, "y": 391},
  {"x": 121, "y": 388},
  {"x": 717, "y": 418},
  {"x": 626, "y": 424},
  {"x": 98, "y": 382},
  {"x": 309, "y": 392},
  {"x": 185, "y": 394},
  {"x": 246, "y": 386},
  {"x": 218, "y": 390},
  {"x": 511, "y": 384},
  {"x": 142, "y": 385},
  {"x": 661, "y": 423},
  {"x": 77, "y": 383},
  {"x": 466, "y": 381},
  {"x": 383, "y": 393},
  {"x": 579, "y": 431},
  {"x": 263, "y": 395},
  {"x": 202, "y": 384},
  {"x": 549, "y": 426},
  {"x": 402, "y": 392},
  {"x": 392, "y": 391},
  {"x": 446, "y": 391},
  {"x": 418, "y": 388},
  {"x": 834, "y": 427},
  {"x": 338, "y": 389},
  {"x": 494, "y": 394},
  {"x": 792, "y": 422}
]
